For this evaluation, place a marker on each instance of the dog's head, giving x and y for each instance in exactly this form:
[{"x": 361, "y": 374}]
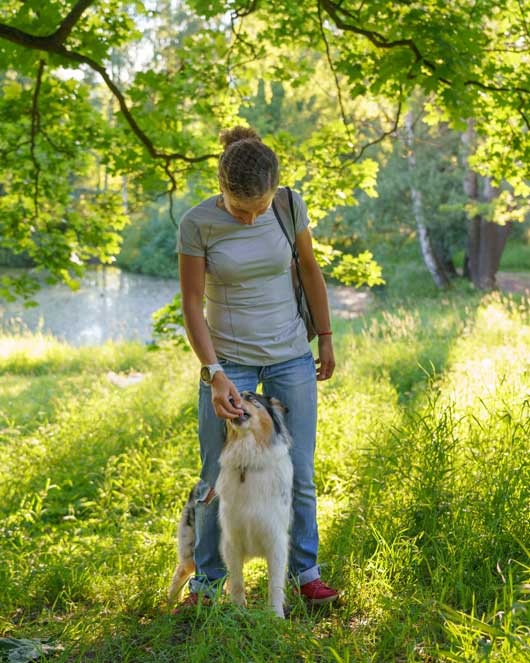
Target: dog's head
[{"x": 262, "y": 415}]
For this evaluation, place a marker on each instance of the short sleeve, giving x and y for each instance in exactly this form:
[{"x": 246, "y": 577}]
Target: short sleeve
[
  {"x": 301, "y": 218},
  {"x": 189, "y": 239}
]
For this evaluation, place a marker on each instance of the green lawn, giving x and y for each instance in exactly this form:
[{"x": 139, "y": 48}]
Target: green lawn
[{"x": 423, "y": 475}]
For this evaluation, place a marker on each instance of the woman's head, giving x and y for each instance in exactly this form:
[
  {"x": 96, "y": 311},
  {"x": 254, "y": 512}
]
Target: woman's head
[{"x": 248, "y": 173}]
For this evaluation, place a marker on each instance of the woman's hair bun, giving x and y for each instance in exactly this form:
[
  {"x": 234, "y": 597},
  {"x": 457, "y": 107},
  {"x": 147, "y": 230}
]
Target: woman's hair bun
[{"x": 229, "y": 136}]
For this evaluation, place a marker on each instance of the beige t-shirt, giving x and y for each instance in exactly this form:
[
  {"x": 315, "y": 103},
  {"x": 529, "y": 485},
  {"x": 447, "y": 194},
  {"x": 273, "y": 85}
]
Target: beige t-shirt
[{"x": 251, "y": 307}]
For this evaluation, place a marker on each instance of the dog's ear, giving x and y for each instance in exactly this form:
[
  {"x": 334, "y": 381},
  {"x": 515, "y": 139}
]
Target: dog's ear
[
  {"x": 279, "y": 405},
  {"x": 277, "y": 411}
]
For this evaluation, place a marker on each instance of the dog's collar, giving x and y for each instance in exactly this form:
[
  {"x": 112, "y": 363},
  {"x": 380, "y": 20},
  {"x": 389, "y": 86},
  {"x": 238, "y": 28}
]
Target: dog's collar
[{"x": 243, "y": 472}]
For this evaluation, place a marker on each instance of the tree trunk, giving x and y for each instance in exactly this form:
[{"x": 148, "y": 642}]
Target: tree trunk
[
  {"x": 427, "y": 249},
  {"x": 486, "y": 240}
]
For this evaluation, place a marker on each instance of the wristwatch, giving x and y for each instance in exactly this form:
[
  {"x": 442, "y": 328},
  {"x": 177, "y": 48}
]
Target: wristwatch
[{"x": 208, "y": 371}]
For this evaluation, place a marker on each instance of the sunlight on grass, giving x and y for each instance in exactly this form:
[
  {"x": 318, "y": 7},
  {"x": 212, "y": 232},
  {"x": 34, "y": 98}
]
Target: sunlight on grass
[{"x": 422, "y": 472}]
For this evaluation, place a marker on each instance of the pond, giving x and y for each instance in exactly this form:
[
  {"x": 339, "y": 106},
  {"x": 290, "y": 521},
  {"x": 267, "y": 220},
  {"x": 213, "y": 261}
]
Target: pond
[{"x": 111, "y": 304}]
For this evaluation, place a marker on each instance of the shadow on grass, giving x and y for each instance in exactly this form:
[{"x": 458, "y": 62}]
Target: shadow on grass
[
  {"x": 419, "y": 338},
  {"x": 433, "y": 519},
  {"x": 222, "y": 633},
  {"x": 79, "y": 512}
]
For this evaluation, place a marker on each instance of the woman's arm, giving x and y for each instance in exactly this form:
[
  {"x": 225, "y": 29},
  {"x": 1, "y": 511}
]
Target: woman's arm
[
  {"x": 192, "y": 275},
  {"x": 317, "y": 298}
]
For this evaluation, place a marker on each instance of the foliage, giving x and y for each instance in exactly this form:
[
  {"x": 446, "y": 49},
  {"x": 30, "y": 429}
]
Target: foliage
[
  {"x": 149, "y": 242},
  {"x": 470, "y": 61},
  {"x": 358, "y": 270},
  {"x": 168, "y": 326},
  {"x": 45, "y": 212},
  {"x": 64, "y": 143},
  {"x": 24, "y": 650}
]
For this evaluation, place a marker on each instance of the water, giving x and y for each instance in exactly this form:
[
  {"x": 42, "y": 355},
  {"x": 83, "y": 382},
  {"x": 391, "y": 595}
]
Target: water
[
  {"x": 109, "y": 305},
  {"x": 114, "y": 305}
]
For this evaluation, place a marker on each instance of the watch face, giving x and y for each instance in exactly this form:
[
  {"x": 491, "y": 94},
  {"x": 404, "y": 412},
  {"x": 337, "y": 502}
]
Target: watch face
[{"x": 205, "y": 374}]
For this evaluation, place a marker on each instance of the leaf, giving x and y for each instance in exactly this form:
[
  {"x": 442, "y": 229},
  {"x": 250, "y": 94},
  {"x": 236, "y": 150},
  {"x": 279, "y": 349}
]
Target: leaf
[
  {"x": 12, "y": 90},
  {"x": 358, "y": 270},
  {"x": 23, "y": 650}
]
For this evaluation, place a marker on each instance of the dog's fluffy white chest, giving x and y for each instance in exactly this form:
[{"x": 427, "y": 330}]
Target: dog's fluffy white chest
[{"x": 255, "y": 501}]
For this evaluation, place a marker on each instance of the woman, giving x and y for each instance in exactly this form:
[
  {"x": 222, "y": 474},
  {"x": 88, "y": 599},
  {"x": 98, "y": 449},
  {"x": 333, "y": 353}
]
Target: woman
[{"x": 233, "y": 250}]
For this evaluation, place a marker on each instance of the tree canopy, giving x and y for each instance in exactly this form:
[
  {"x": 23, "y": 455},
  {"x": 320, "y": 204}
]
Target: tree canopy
[{"x": 157, "y": 122}]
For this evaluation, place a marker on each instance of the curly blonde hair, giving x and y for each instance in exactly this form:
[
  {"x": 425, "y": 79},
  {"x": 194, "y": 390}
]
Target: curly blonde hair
[{"x": 247, "y": 167}]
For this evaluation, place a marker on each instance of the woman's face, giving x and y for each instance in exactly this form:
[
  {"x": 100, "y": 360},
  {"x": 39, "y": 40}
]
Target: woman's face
[{"x": 246, "y": 210}]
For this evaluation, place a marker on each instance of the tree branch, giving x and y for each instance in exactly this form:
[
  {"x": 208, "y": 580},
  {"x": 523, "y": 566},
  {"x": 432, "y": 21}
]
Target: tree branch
[
  {"x": 495, "y": 88},
  {"x": 251, "y": 6},
  {"x": 63, "y": 31},
  {"x": 376, "y": 38},
  {"x": 334, "y": 71},
  {"x": 379, "y": 40},
  {"x": 393, "y": 129},
  {"x": 523, "y": 19},
  {"x": 50, "y": 45},
  {"x": 523, "y": 116},
  {"x": 35, "y": 125},
  {"x": 5, "y": 152}
]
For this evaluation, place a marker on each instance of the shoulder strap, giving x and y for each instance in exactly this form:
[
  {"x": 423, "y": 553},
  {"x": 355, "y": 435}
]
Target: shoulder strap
[
  {"x": 291, "y": 205},
  {"x": 290, "y": 239}
]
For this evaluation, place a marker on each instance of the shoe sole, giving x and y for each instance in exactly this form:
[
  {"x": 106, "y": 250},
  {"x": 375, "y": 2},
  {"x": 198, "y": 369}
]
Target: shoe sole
[{"x": 329, "y": 599}]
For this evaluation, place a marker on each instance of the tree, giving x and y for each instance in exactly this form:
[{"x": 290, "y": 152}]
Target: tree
[
  {"x": 468, "y": 57},
  {"x": 430, "y": 258},
  {"x": 55, "y": 132},
  {"x": 486, "y": 239}
]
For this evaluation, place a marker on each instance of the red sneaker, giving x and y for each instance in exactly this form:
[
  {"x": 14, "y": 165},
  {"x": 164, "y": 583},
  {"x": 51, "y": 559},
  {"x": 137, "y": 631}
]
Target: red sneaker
[
  {"x": 192, "y": 600},
  {"x": 317, "y": 593}
]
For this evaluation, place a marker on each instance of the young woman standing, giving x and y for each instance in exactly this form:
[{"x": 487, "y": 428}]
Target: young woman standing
[{"x": 233, "y": 251}]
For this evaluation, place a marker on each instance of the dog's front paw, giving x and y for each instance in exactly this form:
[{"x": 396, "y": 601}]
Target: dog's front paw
[
  {"x": 278, "y": 611},
  {"x": 238, "y": 598}
]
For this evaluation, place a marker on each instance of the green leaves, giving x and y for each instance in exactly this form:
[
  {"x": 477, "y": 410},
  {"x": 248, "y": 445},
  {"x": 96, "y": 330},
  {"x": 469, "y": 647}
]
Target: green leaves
[
  {"x": 332, "y": 76},
  {"x": 168, "y": 325},
  {"x": 52, "y": 207},
  {"x": 358, "y": 270}
]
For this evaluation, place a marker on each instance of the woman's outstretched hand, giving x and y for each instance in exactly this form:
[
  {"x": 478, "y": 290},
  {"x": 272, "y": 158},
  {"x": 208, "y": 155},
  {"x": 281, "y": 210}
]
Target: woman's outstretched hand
[{"x": 225, "y": 397}]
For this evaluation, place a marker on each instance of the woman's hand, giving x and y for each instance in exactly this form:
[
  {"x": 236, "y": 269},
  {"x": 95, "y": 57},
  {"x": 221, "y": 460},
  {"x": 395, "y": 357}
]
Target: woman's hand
[
  {"x": 326, "y": 359},
  {"x": 225, "y": 397}
]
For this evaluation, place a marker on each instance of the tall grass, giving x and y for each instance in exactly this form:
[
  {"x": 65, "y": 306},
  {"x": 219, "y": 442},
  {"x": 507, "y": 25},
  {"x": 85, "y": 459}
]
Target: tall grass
[{"x": 423, "y": 475}]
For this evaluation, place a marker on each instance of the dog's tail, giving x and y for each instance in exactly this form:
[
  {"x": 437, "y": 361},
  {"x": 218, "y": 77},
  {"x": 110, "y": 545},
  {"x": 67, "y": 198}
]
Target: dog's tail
[{"x": 186, "y": 546}]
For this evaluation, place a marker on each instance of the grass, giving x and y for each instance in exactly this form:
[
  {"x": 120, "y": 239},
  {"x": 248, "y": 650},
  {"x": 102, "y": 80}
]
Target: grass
[
  {"x": 423, "y": 476},
  {"x": 517, "y": 251}
]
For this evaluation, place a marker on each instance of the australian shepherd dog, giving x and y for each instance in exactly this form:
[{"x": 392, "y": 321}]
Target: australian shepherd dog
[{"x": 254, "y": 488}]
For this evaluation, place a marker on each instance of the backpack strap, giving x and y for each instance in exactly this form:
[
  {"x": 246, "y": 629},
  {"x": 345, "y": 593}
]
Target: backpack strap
[
  {"x": 291, "y": 205},
  {"x": 290, "y": 239},
  {"x": 282, "y": 226},
  {"x": 294, "y": 251}
]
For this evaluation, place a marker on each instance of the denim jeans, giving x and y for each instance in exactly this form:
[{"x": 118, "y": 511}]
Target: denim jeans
[{"x": 293, "y": 383}]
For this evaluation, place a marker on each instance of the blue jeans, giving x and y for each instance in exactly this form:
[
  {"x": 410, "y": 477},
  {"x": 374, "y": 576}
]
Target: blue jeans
[{"x": 293, "y": 383}]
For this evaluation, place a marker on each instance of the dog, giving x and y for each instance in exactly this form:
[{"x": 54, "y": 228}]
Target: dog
[{"x": 254, "y": 488}]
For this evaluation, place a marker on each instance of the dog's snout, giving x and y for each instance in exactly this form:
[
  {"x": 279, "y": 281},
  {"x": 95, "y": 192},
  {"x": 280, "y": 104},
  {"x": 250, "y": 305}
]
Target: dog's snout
[{"x": 245, "y": 415}]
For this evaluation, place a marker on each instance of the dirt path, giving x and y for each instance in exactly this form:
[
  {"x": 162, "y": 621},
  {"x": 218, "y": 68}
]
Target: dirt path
[
  {"x": 514, "y": 282},
  {"x": 349, "y": 303}
]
